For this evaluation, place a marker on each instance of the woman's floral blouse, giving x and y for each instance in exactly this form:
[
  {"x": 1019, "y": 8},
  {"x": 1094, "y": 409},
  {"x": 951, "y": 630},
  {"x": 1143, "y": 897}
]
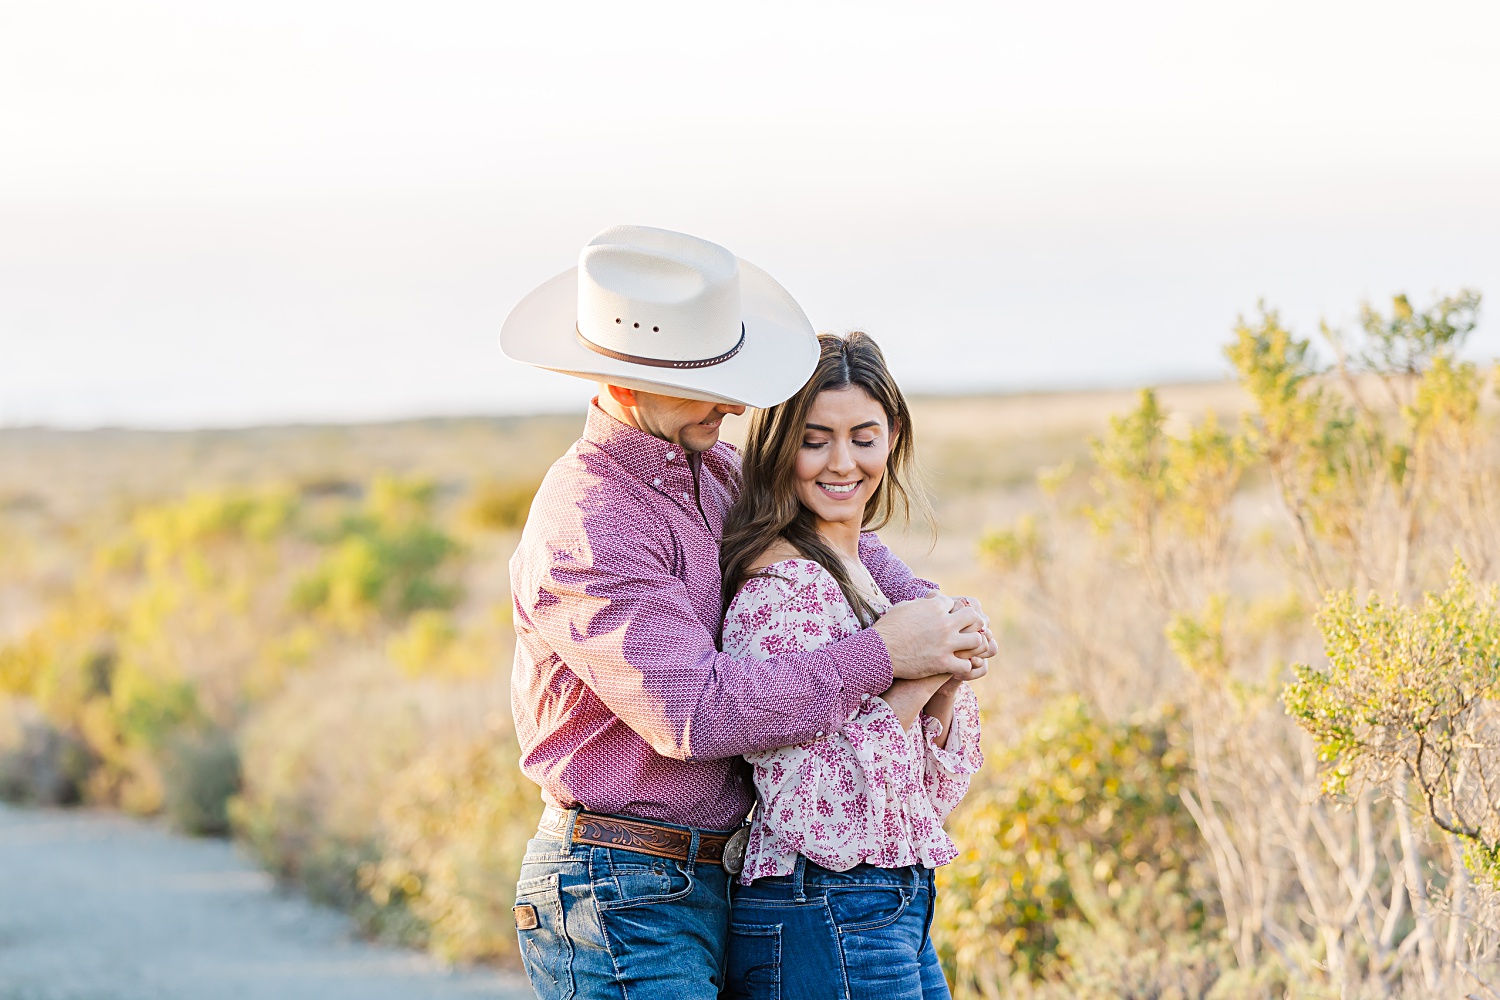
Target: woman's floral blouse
[{"x": 872, "y": 792}]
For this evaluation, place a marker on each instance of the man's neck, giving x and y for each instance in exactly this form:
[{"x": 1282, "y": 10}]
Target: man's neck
[{"x": 610, "y": 405}]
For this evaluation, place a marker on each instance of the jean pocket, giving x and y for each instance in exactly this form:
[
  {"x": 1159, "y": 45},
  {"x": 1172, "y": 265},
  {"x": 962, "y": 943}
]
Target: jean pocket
[
  {"x": 618, "y": 884},
  {"x": 754, "y": 962},
  {"x": 545, "y": 947},
  {"x": 866, "y": 907}
]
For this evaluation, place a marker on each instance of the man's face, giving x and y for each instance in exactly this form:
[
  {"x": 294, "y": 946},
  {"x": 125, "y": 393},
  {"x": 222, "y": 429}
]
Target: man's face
[{"x": 691, "y": 423}]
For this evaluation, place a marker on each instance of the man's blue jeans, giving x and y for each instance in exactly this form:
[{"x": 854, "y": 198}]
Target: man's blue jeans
[
  {"x": 615, "y": 923},
  {"x": 862, "y": 934}
]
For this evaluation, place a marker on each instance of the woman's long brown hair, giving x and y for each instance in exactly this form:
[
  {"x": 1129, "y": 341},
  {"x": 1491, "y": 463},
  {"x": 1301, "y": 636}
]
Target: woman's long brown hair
[{"x": 768, "y": 507}]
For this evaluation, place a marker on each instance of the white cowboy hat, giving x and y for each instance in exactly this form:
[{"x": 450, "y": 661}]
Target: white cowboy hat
[{"x": 669, "y": 313}]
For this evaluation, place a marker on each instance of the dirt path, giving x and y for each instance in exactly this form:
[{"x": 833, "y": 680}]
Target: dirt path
[{"x": 95, "y": 906}]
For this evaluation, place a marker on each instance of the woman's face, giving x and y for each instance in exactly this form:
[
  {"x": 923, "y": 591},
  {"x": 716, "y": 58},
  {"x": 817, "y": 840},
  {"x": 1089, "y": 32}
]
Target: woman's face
[{"x": 845, "y": 444}]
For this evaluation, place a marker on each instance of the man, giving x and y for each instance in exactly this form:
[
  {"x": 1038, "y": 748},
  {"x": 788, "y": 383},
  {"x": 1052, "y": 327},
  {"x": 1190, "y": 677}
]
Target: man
[{"x": 629, "y": 718}]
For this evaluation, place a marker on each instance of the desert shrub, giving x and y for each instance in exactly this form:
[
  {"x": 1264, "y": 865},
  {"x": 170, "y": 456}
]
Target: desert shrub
[
  {"x": 386, "y": 560},
  {"x": 313, "y": 761},
  {"x": 39, "y": 764},
  {"x": 201, "y": 772},
  {"x": 1076, "y": 807},
  {"x": 500, "y": 506},
  {"x": 452, "y": 832}
]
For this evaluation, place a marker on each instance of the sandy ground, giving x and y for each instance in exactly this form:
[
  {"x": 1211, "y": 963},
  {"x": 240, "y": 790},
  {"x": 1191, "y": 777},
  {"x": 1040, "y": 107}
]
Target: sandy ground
[{"x": 96, "y": 906}]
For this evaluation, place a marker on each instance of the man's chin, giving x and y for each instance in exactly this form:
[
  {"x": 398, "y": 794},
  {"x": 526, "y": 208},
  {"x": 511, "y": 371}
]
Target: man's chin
[{"x": 700, "y": 439}]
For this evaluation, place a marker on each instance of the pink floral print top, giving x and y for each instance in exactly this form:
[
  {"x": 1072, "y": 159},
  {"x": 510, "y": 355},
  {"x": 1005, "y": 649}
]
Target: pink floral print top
[{"x": 871, "y": 792}]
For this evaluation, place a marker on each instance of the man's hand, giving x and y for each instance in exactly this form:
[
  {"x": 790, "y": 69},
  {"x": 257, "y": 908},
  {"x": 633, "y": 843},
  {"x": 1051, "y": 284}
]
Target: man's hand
[
  {"x": 932, "y": 636},
  {"x": 982, "y": 651}
]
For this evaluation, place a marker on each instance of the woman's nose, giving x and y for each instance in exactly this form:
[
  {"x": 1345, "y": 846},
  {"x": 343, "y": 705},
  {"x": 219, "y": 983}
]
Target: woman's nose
[{"x": 840, "y": 457}]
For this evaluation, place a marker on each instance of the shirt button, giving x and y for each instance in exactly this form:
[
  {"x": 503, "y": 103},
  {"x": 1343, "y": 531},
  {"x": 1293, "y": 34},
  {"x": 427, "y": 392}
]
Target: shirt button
[
  {"x": 671, "y": 455},
  {"x": 820, "y": 733},
  {"x": 686, "y": 497},
  {"x": 864, "y": 697},
  {"x": 656, "y": 481}
]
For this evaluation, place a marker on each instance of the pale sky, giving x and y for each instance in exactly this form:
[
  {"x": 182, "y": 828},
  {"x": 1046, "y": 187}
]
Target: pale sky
[{"x": 219, "y": 214}]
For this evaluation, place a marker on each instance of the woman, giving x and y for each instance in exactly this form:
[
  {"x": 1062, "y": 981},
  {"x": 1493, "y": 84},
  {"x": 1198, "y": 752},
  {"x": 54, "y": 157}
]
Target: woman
[{"x": 836, "y": 895}]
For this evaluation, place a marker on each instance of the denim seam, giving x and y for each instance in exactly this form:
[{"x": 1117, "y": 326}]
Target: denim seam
[
  {"x": 609, "y": 948},
  {"x": 526, "y": 885},
  {"x": 782, "y": 904}
]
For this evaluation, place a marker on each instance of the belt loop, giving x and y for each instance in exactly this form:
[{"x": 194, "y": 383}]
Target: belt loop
[
  {"x": 798, "y": 873},
  {"x": 568, "y": 829},
  {"x": 692, "y": 858}
]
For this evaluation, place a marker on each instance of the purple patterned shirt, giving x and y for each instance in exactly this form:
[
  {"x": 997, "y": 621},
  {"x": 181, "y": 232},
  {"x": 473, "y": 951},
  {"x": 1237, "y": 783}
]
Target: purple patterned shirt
[{"x": 623, "y": 703}]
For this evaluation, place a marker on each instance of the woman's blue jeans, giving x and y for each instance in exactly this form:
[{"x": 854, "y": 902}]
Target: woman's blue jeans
[
  {"x": 602, "y": 922},
  {"x": 862, "y": 934}
]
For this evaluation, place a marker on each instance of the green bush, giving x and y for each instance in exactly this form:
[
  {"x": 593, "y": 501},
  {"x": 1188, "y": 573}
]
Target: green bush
[
  {"x": 389, "y": 559},
  {"x": 452, "y": 833},
  {"x": 201, "y": 772},
  {"x": 500, "y": 506},
  {"x": 39, "y": 763},
  {"x": 1077, "y": 809}
]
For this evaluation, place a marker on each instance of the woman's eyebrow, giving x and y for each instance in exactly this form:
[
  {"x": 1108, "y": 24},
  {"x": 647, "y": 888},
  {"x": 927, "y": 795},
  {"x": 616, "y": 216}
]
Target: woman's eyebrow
[{"x": 857, "y": 427}]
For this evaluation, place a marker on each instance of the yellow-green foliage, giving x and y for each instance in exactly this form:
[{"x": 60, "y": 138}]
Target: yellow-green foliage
[
  {"x": 453, "y": 828},
  {"x": 385, "y": 560},
  {"x": 1132, "y": 463},
  {"x": 1198, "y": 640},
  {"x": 1011, "y": 550},
  {"x": 317, "y": 759},
  {"x": 1075, "y": 800},
  {"x": 432, "y": 645},
  {"x": 500, "y": 506},
  {"x": 1407, "y": 694}
]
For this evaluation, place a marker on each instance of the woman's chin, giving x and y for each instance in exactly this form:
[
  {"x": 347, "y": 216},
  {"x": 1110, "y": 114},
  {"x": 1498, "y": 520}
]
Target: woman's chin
[{"x": 838, "y": 513}]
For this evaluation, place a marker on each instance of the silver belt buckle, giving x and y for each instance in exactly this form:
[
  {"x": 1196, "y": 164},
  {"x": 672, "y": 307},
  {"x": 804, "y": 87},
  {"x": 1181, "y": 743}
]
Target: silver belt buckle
[{"x": 734, "y": 850}]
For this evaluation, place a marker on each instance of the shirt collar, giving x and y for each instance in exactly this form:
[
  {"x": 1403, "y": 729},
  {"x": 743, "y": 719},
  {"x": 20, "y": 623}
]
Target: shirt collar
[{"x": 638, "y": 453}]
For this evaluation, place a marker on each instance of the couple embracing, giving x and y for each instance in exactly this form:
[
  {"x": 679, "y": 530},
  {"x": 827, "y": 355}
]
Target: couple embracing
[{"x": 697, "y": 634}]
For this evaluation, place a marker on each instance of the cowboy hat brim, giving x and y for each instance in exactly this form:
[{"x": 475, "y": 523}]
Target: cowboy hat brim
[{"x": 779, "y": 353}]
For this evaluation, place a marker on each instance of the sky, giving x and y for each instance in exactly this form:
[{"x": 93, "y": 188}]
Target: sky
[{"x": 218, "y": 214}]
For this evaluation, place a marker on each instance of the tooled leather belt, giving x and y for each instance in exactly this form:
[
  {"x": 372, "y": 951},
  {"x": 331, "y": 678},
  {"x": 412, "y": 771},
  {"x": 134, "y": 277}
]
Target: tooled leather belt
[{"x": 644, "y": 837}]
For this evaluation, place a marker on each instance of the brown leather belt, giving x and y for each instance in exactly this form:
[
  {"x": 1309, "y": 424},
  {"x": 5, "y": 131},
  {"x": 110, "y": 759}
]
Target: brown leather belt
[{"x": 600, "y": 830}]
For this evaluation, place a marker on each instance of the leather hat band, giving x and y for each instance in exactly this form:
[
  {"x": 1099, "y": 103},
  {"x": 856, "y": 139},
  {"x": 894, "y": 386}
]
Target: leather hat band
[{"x": 636, "y": 359}]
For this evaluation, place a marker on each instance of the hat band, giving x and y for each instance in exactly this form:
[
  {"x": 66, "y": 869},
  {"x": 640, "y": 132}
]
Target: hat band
[{"x": 636, "y": 359}]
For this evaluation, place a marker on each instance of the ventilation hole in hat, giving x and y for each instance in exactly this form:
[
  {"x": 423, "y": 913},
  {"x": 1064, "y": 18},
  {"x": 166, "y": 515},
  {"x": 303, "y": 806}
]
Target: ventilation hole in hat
[
  {"x": 638, "y": 326},
  {"x": 656, "y": 329},
  {"x": 617, "y": 319}
]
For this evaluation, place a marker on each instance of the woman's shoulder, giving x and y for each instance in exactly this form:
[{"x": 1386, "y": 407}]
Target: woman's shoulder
[
  {"x": 781, "y": 572},
  {"x": 779, "y": 551}
]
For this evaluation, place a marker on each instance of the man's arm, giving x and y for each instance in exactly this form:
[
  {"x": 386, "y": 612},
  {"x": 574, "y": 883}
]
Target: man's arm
[
  {"x": 896, "y": 581},
  {"x": 610, "y": 608}
]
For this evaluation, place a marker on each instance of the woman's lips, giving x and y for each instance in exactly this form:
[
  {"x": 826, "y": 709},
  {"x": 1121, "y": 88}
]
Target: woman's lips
[{"x": 840, "y": 490}]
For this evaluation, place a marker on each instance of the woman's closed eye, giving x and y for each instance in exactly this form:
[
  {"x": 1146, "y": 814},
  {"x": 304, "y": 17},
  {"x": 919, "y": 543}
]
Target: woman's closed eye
[{"x": 862, "y": 444}]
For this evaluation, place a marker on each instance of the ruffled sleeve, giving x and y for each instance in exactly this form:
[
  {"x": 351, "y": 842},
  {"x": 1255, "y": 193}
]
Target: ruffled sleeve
[{"x": 946, "y": 769}]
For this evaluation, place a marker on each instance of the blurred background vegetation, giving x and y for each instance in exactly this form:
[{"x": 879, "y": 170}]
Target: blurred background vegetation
[{"x": 1241, "y": 743}]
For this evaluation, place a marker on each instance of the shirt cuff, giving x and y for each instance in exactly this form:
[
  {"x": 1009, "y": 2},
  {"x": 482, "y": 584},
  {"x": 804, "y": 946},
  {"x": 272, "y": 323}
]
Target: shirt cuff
[{"x": 864, "y": 666}]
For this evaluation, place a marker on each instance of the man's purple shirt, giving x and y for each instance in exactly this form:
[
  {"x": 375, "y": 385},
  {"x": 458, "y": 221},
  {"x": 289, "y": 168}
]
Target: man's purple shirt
[{"x": 623, "y": 703}]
